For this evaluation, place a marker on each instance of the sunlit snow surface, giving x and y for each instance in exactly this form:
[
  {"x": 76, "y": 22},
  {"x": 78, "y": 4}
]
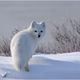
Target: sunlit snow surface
[{"x": 45, "y": 66}]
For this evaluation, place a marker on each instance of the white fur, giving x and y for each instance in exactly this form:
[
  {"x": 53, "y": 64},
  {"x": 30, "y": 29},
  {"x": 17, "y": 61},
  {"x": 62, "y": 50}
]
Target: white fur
[{"x": 24, "y": 43}]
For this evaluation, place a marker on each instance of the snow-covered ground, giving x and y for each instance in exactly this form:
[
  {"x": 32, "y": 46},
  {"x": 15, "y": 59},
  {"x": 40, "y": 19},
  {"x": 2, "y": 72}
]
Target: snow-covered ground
[{"x": 45, "y": 66}]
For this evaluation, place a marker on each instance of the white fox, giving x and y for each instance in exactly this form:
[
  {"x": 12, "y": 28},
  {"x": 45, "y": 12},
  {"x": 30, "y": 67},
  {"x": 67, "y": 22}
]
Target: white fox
[{"x": 24, "y": 43}]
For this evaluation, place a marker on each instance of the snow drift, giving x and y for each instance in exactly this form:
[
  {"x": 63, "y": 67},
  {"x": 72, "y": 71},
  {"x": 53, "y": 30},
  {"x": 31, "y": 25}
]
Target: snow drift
[{"x": 45, "y": 66}]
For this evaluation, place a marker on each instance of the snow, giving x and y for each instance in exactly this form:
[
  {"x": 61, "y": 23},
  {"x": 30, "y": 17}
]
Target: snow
[{"x": 44, "y": 66}]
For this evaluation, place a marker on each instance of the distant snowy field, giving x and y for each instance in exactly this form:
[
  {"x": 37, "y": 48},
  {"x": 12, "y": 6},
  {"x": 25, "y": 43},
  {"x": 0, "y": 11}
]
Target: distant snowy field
[{"x": 44, "y": 66}]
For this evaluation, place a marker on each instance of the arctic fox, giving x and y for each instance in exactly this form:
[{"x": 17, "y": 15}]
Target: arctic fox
[{"x": 24, "y": 43}]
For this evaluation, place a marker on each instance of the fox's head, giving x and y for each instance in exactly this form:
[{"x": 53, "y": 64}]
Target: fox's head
[{"x": 38, "y": 29}]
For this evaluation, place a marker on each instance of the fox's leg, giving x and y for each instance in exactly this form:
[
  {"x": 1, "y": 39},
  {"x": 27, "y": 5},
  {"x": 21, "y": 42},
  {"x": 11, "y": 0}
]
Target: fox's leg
[
  {"x": 26, "y": 67},
  {"x": 17, "y": 66}
]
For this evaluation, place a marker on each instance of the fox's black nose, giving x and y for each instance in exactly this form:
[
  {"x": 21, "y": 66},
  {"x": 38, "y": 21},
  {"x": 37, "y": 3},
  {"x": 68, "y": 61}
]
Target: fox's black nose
[{"x": 39, "y": 36}]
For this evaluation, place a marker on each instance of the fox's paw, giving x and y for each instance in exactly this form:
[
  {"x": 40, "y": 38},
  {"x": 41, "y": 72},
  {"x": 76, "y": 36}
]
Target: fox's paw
[{"x": 26, "y": 68}]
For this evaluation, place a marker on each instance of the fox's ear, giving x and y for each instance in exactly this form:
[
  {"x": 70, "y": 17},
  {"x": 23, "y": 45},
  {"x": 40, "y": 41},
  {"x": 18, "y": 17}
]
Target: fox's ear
[
  {"x": 33, "y": 24},
  {"x": 43, "y": 24}
]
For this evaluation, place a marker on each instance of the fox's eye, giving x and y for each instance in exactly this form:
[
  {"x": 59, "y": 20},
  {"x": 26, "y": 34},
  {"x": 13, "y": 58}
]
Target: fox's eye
[
  {"x": 35, "y": 31},
  {"x": 41, "y": 31}
]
